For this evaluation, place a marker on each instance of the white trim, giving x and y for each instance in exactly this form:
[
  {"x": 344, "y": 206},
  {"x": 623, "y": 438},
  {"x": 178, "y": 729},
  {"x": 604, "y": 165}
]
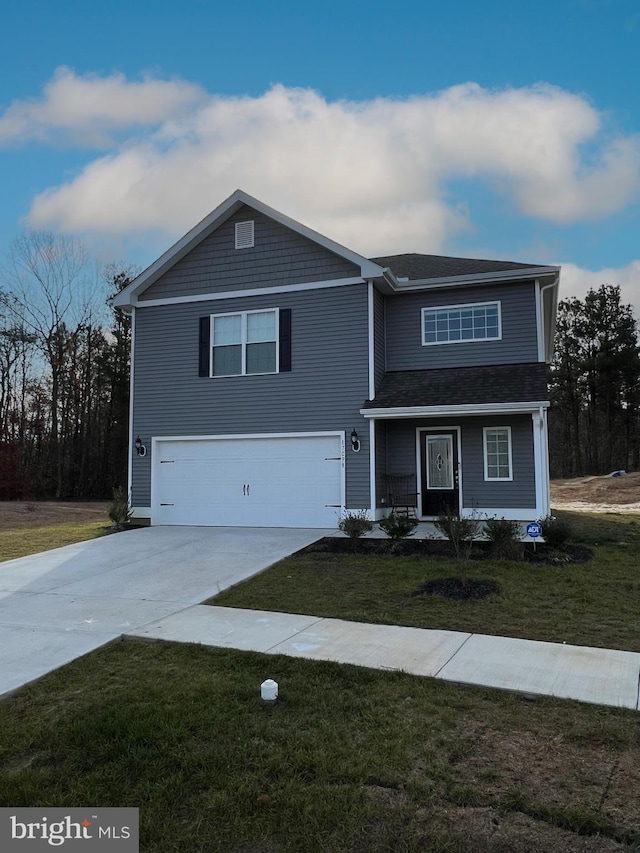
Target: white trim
[
  {"x": 471, "y": 305},
  {"x": 436, "y": 430},
  {"x": 372, "y": 467},
  {"x": 471, "y": 278},
  {"x": 487, "y": 478},
  {"x": 541, "y": 462},
  {"x": 460, "y": 410},
  {"x": 539, "y": 321},
  {"x": 241, "y": 294},
  {"x": 549, "y": 330},
  {"x": 368, "y": 269},
  {"x": 131, "y": 372},
  {"x": 141, "y": 512},
  {"x": 371, "y": 333},
  {"x": 249, "y": 436},
  {"x": 244, "y": 342}
]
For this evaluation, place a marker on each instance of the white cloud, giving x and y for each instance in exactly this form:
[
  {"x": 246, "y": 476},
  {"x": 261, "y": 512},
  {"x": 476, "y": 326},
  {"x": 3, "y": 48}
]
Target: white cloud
[
  {"x": 575, "y": 281},
  {"x": 87, "y": 109},
  {"x": 373, "y": 175}
]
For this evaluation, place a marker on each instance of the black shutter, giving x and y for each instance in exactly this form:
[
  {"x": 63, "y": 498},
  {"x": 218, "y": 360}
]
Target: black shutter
[
  {"x": 285, "y": 340},
  {"x": 205, "y": 339}
]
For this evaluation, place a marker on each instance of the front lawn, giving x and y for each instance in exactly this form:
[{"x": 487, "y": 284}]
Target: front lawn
[
  {"x": 21, "y": 542},
  {"x": 594, "y": 603},
  {"x": 347, "y": 759}
]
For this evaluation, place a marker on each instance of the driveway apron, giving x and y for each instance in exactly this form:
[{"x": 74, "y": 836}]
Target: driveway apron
[{"x": 61, "y": 604}]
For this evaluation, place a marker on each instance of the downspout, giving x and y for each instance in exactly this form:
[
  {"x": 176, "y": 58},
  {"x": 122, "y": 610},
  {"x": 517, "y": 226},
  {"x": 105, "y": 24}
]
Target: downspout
[{"x": 131, "y": 372}]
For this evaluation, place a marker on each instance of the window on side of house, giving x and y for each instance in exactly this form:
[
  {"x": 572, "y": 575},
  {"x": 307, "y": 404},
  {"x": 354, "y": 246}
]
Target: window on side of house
[
  {"x": 449, "y": 324},
  {"x": 498, "y": 464},
  {"x": 244, "y": 343}
]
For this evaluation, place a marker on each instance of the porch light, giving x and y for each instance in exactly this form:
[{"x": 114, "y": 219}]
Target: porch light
[
  {"x": 355, "y": 441},
  {"x": 141, "y": 450}
]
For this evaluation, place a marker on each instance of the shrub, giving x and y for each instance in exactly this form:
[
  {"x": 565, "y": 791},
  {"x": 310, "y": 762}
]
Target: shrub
[
  {"x": 355, "y": 525},
  {"x": 505, "y": 538},
  {"x": 556, "y": 531},
  {"x": 398, "y": 527},
  {"x": 119, "y": 510},
  {"x": 459, "y": 531}
]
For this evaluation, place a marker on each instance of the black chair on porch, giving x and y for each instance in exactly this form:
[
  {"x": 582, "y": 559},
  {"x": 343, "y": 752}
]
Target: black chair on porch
[{"x": 402, "y": 495}]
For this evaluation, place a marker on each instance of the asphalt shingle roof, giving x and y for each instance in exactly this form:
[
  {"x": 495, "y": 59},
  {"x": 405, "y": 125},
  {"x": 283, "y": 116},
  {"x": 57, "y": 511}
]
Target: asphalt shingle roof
[
  {"x": 417, "y": 267},
  {"x": 455, "y": 386}
]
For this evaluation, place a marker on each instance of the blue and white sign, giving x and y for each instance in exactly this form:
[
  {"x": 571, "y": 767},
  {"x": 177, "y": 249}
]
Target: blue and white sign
[{"x": 534, "y": 530}]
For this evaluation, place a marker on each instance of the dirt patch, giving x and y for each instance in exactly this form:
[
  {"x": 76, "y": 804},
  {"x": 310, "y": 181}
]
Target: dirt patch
[
  {"x": 485, "y": 830},
  {"x": 553, "y": 771},
  {"x": 22, "y": 515},
  {"x": 598, "y": 494},
  {"x": 470, "y": 589}
]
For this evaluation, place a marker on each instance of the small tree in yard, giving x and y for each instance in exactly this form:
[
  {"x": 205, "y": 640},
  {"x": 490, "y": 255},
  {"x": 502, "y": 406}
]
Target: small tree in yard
[
  {"x": 119, "y": 509},
  {"x": 461, "y": 532},
  {"x": 355, "y": 525}
]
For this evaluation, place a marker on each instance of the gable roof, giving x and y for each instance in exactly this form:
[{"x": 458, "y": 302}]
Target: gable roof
[
  {"x": 128, "y": 296},
  {"x": 392, "y": 273}
]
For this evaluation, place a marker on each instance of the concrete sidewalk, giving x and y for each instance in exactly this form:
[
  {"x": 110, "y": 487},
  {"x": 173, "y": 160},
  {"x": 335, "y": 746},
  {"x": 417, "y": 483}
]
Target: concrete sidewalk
[
  {"x": 58, "y": 605},
  {"x": 598, "y": 676}
]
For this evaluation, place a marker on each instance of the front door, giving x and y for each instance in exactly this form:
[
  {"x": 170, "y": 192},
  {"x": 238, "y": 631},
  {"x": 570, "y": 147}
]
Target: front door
[{"x": 439, "y": 462}]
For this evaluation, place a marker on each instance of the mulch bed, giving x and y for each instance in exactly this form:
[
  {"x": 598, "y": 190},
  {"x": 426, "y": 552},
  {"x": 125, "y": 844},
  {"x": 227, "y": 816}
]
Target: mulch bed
[
  {"x": 462, "y": 590},
  {"x": 441, "y": 548}
]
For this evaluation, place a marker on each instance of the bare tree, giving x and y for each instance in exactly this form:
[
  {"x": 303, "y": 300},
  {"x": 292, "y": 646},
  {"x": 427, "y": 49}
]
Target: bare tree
[{"x": 50, "y": 292}]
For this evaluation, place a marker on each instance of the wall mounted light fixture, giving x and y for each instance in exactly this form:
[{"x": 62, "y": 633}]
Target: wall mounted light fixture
[
  {"x": 355, "y": 441},
  {"x": 141, "y": 450}
]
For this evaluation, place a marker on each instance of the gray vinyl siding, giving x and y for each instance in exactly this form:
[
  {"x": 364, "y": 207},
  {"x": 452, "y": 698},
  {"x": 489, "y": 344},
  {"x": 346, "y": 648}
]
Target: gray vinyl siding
[
  {"x": 518, "y": 494},
  {"x": 379, "y": 343},
  {"x": 519, "y": 344},
  {"x": 325, "y": 389},
  {"x": 279, "y": 257}
]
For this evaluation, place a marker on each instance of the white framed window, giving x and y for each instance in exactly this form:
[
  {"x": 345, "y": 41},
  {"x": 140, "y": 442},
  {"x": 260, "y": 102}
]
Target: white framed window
[
  {"x": 498, "y": 462},
  {"x": 448, "y": 324},
  {"x": 244, "y": 234},
  {"x": 244, "y": 343}
]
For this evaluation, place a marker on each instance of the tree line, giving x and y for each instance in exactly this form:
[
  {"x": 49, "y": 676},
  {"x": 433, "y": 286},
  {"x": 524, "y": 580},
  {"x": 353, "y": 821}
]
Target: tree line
[
  {"x": 64, "y": 372},
  {"x": 64, "y": 377},
  {"x": 594, "y": 420}
]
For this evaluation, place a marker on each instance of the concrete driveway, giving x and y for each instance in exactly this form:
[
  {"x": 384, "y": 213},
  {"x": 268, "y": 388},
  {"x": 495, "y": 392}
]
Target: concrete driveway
[{"x": 61, "y": 604}]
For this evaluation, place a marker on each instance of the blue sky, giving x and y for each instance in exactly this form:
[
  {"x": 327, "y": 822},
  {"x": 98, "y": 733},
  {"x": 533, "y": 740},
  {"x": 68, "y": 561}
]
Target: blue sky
[{"x": 495, "y": 129}]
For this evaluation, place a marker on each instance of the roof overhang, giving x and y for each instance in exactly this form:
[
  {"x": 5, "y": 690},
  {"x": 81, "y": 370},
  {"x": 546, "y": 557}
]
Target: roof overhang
[
  {"x": 543, "y": 274},
  {"x": 459, "y": 411},
  {"x": 128, "y": 297}
]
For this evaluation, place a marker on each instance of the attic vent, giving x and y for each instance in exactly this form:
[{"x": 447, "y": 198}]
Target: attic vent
[{"x": 244, "y": 234}]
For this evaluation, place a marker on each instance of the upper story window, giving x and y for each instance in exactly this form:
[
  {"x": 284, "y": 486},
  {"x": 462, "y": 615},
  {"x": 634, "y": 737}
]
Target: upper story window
[
  {"x": 244, "y": 343},
  {"x": 244, "y": 234},
  {"x": 459, "y": 323}
]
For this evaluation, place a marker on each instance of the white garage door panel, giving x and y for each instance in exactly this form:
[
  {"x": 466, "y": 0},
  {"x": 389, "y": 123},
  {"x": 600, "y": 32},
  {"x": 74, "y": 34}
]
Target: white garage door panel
[{"x": 264, "y": 482}]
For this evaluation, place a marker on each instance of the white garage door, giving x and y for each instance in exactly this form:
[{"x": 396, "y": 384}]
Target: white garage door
[{"x": 294, "y": 481}]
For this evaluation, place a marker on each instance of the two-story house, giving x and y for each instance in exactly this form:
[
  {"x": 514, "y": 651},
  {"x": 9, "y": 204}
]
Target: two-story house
[{"x": 279, "y": 378}]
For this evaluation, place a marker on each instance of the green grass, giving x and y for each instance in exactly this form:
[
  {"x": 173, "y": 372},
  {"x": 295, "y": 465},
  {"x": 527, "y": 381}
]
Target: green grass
[
  {"x": 21, "y": 542},
  {"x": 347, "y": 759},
  {"x": 593, "y": 604}
]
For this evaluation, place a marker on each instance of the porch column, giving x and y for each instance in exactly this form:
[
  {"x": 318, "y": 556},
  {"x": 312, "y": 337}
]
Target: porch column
[
  {"x": 541, "y": 462},
  {"x": 372, "y": 469}
]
